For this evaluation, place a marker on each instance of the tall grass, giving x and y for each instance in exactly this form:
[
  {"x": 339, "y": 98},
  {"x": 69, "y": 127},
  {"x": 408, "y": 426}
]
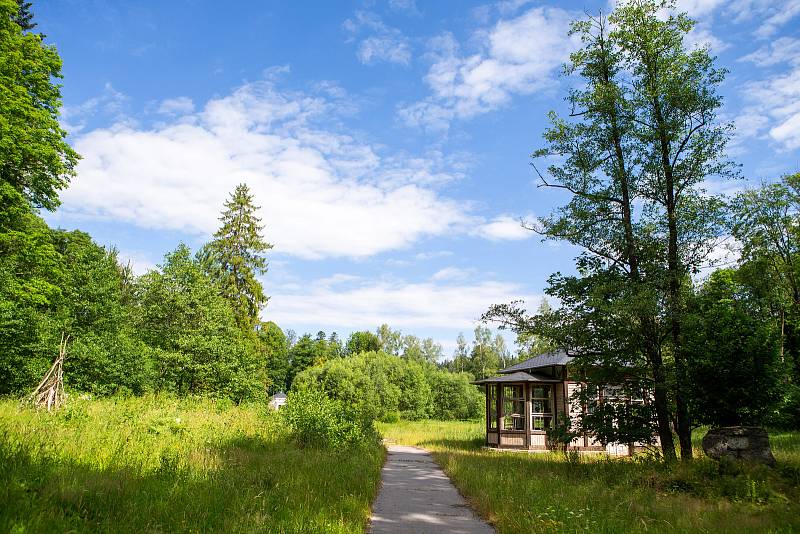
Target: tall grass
[
  {"x": 158, "y": 464},
  {"x": 536, "y": 492}
]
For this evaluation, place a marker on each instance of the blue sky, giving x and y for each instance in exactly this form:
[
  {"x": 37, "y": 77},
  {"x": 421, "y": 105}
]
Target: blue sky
[{"x": 387, "y": 142}]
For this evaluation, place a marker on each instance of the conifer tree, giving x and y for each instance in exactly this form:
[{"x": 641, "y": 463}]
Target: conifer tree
[{"x": 235, "y": 257}]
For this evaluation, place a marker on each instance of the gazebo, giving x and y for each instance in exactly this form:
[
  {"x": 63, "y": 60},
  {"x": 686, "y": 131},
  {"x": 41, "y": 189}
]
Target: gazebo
[{"x": 523, "y": 402}]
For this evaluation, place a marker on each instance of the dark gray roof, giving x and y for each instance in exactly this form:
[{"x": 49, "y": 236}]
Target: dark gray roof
[
  {"x": 558, "y": 357},
  {"x": 517, "y": 377}
]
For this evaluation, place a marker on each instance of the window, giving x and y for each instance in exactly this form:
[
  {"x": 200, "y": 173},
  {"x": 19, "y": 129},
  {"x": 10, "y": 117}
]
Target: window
[
  {"x": 541, "y": 410},
  {"x": 513, "y": 408},
  {"x": 491, "y": 395}
]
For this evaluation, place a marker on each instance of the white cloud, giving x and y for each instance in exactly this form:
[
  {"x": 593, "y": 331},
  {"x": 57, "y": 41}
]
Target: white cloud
[
  {"x": 176, "y": 106},
  {"x": 516, "y": 57},
  {"x": 782, "y": 50},
  {"x": 401, "y": 304},
  {"x": 109, "y": 104},
  {"x": 322, "y": 192},
  {"x": 699, "y": 8},
  {"x": 139, "y": 261},
  {"x": 702, "y": 37},
  {"x": 774, "y": 109},
  {"x": 383, "y": 44},
  {"x": 451, "y": 273},
  {"x": 782, "y": 13},
  {"x": 504, "y": 228}
]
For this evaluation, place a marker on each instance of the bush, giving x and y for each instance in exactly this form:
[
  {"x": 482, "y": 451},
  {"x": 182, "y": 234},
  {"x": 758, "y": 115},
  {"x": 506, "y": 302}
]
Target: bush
[
  {"x": 786, "y": 415},
  {"x": 316, "y": 420},
  {"x": 385, "y": 385}
]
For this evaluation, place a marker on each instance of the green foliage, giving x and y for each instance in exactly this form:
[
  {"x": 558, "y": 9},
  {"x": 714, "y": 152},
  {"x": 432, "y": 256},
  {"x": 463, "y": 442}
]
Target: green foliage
[
  {"x": 553, "y": 493},
  {"x": 158, "y": 463},
  {"x": 235, "y": 257},
  {"x": 198, "y": 347},
  {"x": 309, "y": 351},
  {"x": 385, "y": 385},
  {"x": 34, "y": 157},
  {"x": 786, "y": 411},
  {"x": 363, "y": 341},
  {"x": 316, "y": 420},
  {"x": 275, "y": 349},
  {"x": 30, "y": 274},
  {"x": 734, "y": 366}
]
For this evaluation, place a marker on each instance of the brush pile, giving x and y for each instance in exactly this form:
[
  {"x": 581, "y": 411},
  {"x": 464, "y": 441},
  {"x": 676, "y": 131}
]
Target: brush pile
[{"x": 50, "y": 391}]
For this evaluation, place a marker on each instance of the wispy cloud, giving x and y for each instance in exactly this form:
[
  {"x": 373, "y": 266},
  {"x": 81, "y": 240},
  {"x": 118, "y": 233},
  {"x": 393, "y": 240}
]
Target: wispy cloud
[
  {"x": 406, "y": 305},
  {"x": 504, "y": 228},
  {"x": 773, "y": 108},
  {"x": 516, "y": 56},
  {"x": 377, "y": 42}
]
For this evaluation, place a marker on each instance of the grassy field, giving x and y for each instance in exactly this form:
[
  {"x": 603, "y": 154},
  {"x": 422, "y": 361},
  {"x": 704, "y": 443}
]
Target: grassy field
[
  {"x": 165, "y": 465},
  {"x": 522, "y": 492}
]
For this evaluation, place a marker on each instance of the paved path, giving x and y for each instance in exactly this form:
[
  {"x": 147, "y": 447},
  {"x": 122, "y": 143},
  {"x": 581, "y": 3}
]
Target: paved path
[{"x": 416, "y": 496}]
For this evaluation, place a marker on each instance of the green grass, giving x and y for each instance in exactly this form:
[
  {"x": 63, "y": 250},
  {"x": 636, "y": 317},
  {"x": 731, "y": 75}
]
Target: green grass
[
  {"x": 158, "y": 464},
  {"x": 524, "y": 492}
]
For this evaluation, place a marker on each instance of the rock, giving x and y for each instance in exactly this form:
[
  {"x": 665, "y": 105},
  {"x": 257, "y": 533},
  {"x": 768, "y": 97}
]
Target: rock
[{"x": 746, "y": 443}]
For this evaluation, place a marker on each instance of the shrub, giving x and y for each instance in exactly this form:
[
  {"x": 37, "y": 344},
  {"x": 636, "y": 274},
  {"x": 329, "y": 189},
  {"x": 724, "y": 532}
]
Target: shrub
[
  {"x": 316, "y": 420},
  {"x": 385, "y": 385}
]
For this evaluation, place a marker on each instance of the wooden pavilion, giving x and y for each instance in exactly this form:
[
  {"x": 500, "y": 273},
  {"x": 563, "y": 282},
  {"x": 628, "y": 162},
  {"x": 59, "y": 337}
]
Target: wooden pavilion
[{"x": 526, "y": 400}]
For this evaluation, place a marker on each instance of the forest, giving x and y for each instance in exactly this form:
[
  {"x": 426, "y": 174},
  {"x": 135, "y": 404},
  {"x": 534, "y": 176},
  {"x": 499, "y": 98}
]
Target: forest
[{"x": 167, "y": 374}]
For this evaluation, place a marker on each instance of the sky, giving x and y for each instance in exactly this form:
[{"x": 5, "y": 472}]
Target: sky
[{"x": 387, "y": 142}]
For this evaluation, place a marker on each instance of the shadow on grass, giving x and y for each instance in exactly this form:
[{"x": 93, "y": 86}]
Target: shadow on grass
[
  {"x": 241, "y": 485},
  {"x": 454, "y": 443}
]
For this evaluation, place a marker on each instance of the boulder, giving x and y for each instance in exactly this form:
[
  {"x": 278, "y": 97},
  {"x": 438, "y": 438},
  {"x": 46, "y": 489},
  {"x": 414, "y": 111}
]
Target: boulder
[{"x": 745, "y": 443}]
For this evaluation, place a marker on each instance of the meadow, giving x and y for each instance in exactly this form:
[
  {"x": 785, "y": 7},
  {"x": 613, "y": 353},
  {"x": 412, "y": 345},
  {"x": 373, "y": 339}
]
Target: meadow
[
  {"x": 551, "y": 492},
  {"x": 161, "y": 464}
]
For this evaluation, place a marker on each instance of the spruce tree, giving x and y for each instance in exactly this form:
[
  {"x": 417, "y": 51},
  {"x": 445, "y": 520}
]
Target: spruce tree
[{"x": 235, "y": 257}]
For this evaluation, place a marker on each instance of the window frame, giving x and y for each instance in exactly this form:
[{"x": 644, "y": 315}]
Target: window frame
[
  {"x": 517, "y": 418},
  {"x": 546, "y": 416}
]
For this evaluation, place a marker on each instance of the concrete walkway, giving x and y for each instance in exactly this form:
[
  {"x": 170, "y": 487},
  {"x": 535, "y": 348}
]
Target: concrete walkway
[{"x": 416, "y": 496}]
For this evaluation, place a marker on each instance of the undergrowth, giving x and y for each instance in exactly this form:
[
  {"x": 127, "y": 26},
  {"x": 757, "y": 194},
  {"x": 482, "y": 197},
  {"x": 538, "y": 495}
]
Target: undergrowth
[
  {"x": 551, "y": 492},
  {"x": 160, "y": 464}
]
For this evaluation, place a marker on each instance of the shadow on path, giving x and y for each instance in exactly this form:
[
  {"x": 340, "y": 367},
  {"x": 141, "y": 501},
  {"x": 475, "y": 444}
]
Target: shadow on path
[{"x": 416, "y": 496}]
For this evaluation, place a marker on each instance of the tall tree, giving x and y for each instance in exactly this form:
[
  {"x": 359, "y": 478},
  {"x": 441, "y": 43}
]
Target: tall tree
[
  {"x": 768, "y": 227},
  {"x": 680, "y": 143},
  {"x": 34, "y": 156},
  {"x": 641, "y": 138},
  {"x": 235, "y": 257}
]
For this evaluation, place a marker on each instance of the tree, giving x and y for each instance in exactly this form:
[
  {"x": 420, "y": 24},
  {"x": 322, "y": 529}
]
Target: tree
[
  {"x": 235, "y": 257},
  {"x": 30, "y": 274},
  {"x": 24, "y": 17},
  {"x": 35, "y": 159},
  {"x": 641, "y": 138},
  {"x": 362, "y": 341},
  {"x": 192, "y": 331},
  {"x": 768, "y": 227},
  {"x": 674, "y": 102},
  {"x": 736, "y": 369},
  {"x": 484, "y": 359},
  {"x": 460, "y": 359},
  {"x": 391, "y": 340},
  {"x": 275, "y": 348},
  {"x": 532, "y": 344}
]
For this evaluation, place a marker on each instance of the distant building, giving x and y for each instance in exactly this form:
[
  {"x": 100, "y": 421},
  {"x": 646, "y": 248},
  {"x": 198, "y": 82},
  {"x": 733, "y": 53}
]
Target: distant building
[{"x": 277, "y": 401}]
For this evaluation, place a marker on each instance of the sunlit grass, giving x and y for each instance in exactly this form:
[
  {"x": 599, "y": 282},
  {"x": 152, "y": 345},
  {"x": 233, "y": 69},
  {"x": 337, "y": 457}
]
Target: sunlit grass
[
  {"x": 162, "y": 464},
  {"x": 525, "y": 492}
]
